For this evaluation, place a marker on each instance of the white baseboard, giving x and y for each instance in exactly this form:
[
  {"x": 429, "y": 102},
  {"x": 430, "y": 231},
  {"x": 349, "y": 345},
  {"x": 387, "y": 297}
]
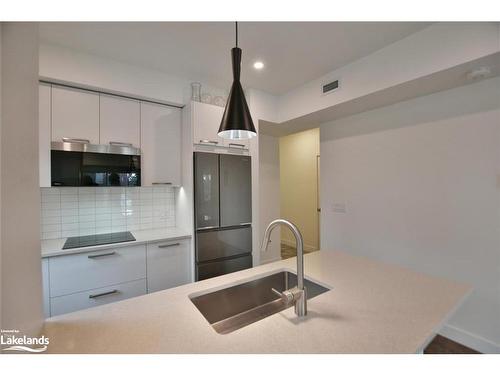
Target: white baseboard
[
  {"x": 292, "y": 244},
  {"x": 470, "y": 340}
]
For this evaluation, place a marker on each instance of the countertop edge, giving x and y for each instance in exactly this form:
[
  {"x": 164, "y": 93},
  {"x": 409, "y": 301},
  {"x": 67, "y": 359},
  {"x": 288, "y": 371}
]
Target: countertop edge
[{"x": 146, "y": 239}]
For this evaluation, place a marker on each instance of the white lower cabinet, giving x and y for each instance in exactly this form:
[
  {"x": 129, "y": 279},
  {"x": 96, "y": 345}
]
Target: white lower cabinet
[
  {"x": 79, "y": 272},
  {"x": 169, "y": 264},
  {"x": 79, "y": 281},
  {"x": 45, "y": 287},
  {"x": 96, "y": 297}
]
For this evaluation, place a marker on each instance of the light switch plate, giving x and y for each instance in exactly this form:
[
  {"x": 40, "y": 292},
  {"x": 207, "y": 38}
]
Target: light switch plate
[{"x": 339, "y": 208}]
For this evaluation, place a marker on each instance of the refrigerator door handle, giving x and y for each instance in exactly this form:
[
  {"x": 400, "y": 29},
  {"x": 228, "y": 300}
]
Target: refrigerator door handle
[{"x": 212, "y": 227}]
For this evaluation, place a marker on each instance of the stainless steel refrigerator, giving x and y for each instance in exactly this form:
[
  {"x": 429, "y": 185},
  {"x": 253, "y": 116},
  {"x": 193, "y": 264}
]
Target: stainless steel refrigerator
[{"x": 223, "y": 213}]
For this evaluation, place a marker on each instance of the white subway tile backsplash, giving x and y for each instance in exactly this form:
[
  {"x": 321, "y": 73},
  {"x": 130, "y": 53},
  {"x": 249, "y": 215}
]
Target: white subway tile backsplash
[
  {"x": 50, "y": 235},
  {"x": 50, "y": 213},
  {"x": 86, "y": 231},
  {"x": 87, "y": 224},
  {"x": 86, "y": 190},
  {"x": 50, "y": 191},
  {"x": 51, "y": 227},
  {"x": 51, "y": 205},
  {"x": 69, "y": 219},
  {"x": 50, "y": 198},
  {"x": 72, "y": 211},
  {"x": 70, "y": 204},
  {"x": 69, "y": 198},
  {"x": 86, "y": 218},
  {"x": 51, "y": 220},
  {"x": 68, "y": 212},
  {"x": 69, "y": 233},
  {"x": 67, "y": 190}
]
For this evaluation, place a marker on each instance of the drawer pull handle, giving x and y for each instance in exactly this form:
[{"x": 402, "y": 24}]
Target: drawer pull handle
[
  {"x": 122, "y": 144},
  {"x": 207, "y": 141},
  {"x": 92, "y": 296},
  {"x": 101, "y": 255},
  {"x": 161, "y": 183},
  {"x": 237, "y": 145},
  {"x": 168, "y": 245},
  {"x": 75, "y": 140}
]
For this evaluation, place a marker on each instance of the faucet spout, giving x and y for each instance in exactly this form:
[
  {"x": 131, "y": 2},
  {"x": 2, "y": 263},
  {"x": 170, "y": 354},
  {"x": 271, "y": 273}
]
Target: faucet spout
[{"x": 300, "y": 295}]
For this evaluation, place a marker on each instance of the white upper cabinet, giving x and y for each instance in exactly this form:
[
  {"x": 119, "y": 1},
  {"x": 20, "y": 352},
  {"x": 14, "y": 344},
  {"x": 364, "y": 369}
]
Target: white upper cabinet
[
  {"x": 119, "y": 121},
  {"x": 44, "y": 134},
  {"x": 206, "y": 119},
  {"x": 160, "y": 145},
  {"x": 75, "y": 114}
]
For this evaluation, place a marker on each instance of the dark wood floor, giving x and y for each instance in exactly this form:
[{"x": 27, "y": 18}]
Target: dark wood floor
[{"x": 440, "y": 344}]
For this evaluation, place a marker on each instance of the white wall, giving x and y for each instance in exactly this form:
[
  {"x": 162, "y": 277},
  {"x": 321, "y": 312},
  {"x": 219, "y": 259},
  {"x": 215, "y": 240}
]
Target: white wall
[
  {"x": 420, "y": 181},
  {"x": 262, "y": 107},
  {"x": 20, "y": 194},
  {"x": 1, "y": 26},
  {"x": 67, "y": 65},
  {"x": 435, "y": 48},
  {"x": 269, "y": 170}
]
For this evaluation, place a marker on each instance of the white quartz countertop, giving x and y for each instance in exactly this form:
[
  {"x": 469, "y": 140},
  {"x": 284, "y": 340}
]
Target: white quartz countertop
[
  {"x": 371, "y": 308},
  {"x": 54, "y": 247}
]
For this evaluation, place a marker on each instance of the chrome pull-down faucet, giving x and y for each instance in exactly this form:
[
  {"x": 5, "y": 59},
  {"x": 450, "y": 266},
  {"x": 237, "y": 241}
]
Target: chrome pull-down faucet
[{"x": 298, "y": 294}]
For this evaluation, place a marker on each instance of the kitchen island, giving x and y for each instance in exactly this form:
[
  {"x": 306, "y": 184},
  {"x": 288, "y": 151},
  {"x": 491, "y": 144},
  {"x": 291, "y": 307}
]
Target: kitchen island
[{"x": 371, "y": 307}]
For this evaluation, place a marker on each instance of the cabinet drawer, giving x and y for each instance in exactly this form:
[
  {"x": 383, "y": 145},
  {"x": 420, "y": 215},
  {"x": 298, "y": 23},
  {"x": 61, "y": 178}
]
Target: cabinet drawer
[
  {"x": 169, "y": 264},
  {"x": 75, "y": 273},
  {"x": 96, "y": 297}
]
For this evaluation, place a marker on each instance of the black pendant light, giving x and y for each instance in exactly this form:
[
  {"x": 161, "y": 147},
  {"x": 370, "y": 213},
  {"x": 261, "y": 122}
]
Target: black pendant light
[{"x": 236, "y": 121}]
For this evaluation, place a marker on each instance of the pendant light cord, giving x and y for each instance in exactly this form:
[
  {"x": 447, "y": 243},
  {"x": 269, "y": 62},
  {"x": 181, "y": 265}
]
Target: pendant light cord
[{"x": 236, "y": 23}]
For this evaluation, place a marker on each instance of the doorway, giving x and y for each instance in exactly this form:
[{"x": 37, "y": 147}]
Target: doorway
[{"x": 299, "y": 158}]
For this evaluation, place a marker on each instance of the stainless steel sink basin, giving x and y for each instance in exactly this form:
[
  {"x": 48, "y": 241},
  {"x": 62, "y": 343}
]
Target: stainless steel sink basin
[{"x": 237, "y": 306}]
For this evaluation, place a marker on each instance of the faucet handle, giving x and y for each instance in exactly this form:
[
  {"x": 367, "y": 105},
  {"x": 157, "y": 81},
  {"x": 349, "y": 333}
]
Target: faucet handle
[{"x": 286, "y": 296}]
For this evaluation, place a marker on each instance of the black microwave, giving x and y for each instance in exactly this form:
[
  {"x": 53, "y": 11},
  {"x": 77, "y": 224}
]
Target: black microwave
[{"x": 74, "y": 164}]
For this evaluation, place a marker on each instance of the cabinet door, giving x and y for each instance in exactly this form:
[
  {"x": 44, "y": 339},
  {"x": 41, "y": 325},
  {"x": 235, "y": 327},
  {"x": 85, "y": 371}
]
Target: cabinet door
[
  {"x": 206, "y": 122},
  {"x": 169, "y": 264},
  {"x": 75, "y": 114},
  {"x": 160, "y": 145},
  {"x": 44, "y": 137},
  {"x": 119, "y": 121},
  {"x": 45, "y": 287}
]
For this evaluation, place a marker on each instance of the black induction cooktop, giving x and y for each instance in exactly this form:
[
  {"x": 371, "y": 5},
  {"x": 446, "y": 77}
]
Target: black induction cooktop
[{"x": 98, "y": 239}]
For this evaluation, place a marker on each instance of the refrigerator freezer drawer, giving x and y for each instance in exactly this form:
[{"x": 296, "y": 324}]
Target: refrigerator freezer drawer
[
  {"x": 223, "y": 243},
  {"x": 212, "y": 269}
]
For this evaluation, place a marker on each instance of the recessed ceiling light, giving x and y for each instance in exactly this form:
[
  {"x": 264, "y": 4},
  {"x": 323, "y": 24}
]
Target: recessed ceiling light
[{"x": 258, "y": 65}]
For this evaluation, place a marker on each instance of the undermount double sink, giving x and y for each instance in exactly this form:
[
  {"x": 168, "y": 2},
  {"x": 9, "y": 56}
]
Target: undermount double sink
[{"x": 237, "y": 306}]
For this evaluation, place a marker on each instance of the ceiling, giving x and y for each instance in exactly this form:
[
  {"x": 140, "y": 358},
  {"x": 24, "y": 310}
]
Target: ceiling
[{"x": 293, "y": 52}]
